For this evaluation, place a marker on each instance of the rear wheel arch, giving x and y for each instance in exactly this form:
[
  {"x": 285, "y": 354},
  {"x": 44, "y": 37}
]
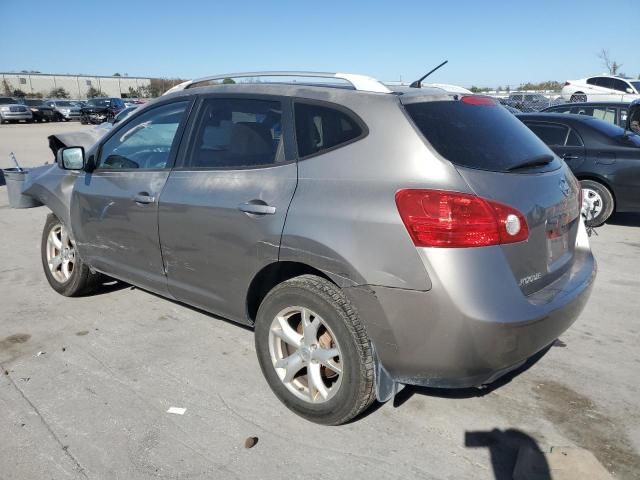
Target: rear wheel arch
[{"x": 271, "y": 276}]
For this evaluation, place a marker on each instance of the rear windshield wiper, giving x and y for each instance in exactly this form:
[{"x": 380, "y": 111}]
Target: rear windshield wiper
[{"x": 536, "y": 161}]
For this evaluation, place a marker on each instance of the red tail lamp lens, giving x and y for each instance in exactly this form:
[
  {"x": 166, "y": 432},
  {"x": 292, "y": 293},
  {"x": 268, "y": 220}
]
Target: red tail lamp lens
[{"x": 439, "y": 218}]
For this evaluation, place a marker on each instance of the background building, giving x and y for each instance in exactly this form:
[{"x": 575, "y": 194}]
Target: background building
[{"x": 76, "y": 85}]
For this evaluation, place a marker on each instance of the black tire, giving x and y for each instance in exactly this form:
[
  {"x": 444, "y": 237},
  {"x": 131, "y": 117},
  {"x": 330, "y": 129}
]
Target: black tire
[
  {"x": 356, "y": 390},
  {"x": 578, "y": 97},
  {"x": 608, "y": 202},
  {"x": 81, "y": 281}
]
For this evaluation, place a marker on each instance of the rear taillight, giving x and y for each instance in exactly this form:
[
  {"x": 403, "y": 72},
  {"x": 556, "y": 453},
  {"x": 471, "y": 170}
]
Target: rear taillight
[
  {"x": 566, "y": 84},
  {"x": 438, "y": 218}
]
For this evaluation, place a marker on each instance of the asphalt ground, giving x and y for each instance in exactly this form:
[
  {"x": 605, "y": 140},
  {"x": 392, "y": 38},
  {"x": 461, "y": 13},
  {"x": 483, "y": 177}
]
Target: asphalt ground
[{"x": 86, "y": 383}]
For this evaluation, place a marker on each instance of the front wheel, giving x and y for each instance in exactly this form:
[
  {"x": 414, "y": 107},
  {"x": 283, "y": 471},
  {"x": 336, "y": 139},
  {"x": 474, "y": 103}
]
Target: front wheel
[
  {"x": 65, "y": 271},
  {"x": 597, "y": 202},
  {"x": 314, "y": 351}
]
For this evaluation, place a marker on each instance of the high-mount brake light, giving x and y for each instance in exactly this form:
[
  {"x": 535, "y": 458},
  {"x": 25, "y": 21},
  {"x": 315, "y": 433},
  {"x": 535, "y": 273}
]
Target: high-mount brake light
[
  {"x": 478, "y": 100},
  {"x": 439, "y": 218}
]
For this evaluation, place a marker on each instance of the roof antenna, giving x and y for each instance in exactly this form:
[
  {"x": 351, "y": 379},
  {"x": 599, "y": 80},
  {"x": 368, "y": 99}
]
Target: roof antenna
[{"x": 418, "y": 83}]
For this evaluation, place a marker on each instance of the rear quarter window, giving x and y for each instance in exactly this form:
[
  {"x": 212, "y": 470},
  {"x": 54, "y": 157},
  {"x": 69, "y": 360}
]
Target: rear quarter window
[
  {"x": 320, "y": 128},
  {"x": 484, "y": 137}
]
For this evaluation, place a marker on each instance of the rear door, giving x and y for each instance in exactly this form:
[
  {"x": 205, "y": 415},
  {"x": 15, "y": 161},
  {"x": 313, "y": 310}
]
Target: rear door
[
  {"x": 223, "y": 208},
  {"x": 562, "y": 139},
  {"x": 114, "y": 212},
  {"x": 502, "y": 160}
]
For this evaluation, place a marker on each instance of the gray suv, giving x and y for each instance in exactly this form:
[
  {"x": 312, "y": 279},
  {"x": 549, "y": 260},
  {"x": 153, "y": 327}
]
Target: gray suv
[{"x": 372, "y": 239}]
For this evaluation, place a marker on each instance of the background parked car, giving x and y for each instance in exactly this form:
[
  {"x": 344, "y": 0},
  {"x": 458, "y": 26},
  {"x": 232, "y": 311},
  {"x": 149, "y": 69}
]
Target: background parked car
[
  {"x": 604, "y": 157},
  {"x": 527, "y": 102},
  {"x": 41, "y": 111},
  {"x": 11, "y": 110},
  {"x": 67, "y": 109},
  {"x": 98, "y": 110},
  {"x": 601, "y": 88},
  {"x": 612, "y": 112}
]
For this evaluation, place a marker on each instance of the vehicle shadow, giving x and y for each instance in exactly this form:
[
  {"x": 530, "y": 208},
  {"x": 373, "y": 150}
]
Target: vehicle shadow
[
  {"x": 504, "y": 448},
  {"x": 623, "y": 219},
  {"x": 473, "y": 392},
  {"x": 109, "y": 286}
]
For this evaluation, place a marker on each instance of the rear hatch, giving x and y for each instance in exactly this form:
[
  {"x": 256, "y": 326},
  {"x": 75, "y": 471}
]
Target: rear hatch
[{"x": 503, "y": 161}]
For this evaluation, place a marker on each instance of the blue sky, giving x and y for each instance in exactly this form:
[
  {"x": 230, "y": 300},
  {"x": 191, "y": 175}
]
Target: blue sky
[{"x": 487, "y": 44}]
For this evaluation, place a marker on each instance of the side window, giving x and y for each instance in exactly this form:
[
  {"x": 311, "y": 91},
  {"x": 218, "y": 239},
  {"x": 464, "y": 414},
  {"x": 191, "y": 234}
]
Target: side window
[
  {"x": 551, "y": 134},
  {"x": 592, "y": 81},
  {"x": 608, "y": 114},
  {"x": 146, "y": 142},
  {"x": 560, "y": 110},
  {"x": 620, "y": 85},
  {"x": 319, "y": 128},
  {"x": 236, "y": 133},
  {"x": 573, "y": 140},
  {"x": 605, "y": 82}
]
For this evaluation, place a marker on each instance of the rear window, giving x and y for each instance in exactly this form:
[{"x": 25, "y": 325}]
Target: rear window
[{"x": 484, "y": 137}]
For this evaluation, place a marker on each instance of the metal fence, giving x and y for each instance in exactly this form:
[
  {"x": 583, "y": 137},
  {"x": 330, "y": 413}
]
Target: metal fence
[{"x": 538, "y": 101}]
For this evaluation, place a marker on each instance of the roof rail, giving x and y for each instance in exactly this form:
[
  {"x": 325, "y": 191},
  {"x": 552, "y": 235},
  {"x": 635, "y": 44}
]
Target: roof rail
[{"x": 359, "y": 82}]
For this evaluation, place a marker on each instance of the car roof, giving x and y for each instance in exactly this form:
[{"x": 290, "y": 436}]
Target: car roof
[{"x": 329, "y": 93}]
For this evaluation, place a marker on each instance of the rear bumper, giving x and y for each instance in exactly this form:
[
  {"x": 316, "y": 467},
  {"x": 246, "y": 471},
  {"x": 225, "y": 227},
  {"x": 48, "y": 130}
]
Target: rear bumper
[{"x": 454, "y": 337}]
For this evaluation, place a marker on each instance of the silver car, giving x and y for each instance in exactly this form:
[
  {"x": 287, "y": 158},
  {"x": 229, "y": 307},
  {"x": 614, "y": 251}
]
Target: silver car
[
  {"x": 13, "y": 111},
  {"x": 372, "y": 239},
  {"x": 68, "y": 109}
]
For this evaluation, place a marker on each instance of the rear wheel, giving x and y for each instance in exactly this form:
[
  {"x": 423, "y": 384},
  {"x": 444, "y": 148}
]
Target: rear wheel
[
  {"x": 578, "y": 97},
  {"x": 66, "y": 272},
  {"x": 314, "y": 351},
  {"x": 597, "y": 202}
]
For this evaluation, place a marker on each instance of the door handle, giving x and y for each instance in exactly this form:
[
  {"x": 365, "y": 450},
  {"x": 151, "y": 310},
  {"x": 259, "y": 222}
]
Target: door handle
[
  {"x": 566, "y": 156},
  {"x": 144, "y": 198},
  {"x": 257, "y": 208}
]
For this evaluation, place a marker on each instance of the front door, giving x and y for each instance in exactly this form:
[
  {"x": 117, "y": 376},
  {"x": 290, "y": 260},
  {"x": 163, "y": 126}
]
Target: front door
[
  {"x": 114, "y": 211},
  {"x": 223, "y": 208}
]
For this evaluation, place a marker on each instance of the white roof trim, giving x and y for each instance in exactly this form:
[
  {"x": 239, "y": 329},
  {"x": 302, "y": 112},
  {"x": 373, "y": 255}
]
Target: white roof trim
[{"x": 359, "y": 82}]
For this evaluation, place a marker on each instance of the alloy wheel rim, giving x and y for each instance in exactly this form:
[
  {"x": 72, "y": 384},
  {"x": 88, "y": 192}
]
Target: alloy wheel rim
[
  {"x": 305, "y": 354},
  {"x": 591, "y": 203},
  {"x": 61, "y": 253}
]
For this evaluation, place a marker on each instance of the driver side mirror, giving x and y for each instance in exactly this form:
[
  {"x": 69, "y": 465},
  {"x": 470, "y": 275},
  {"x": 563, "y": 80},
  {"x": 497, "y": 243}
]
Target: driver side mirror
[
  {"x": 71, "y": 158},
  {"x": 630, "y": 90}
]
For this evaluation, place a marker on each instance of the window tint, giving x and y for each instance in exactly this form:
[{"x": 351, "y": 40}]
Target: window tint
[
  {"x": 146, "y": 141},
  {"x": 592, "y": 81},
  {"x": 476, "y": 136},
  {"x": 236, "y": 133},
  {"x": 605, "y": 82},
  {"x": 619, "y": 85},
  {"x": 573, "y": 140},
  {"x": 319, "y": 128},
  {"x": 551, "y": 134}
]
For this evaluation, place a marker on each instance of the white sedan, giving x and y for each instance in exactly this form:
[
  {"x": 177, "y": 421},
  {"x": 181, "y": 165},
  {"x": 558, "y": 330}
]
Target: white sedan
[{"x": 602, "y": 88}]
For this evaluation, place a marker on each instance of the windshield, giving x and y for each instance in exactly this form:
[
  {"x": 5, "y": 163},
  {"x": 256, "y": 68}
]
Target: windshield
[
  {"x": 99, "y": 102},
  {"x": 485, "y": 137},
  {"x": 6, "y": 101},
  {"x": 33, "y": 102}
]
